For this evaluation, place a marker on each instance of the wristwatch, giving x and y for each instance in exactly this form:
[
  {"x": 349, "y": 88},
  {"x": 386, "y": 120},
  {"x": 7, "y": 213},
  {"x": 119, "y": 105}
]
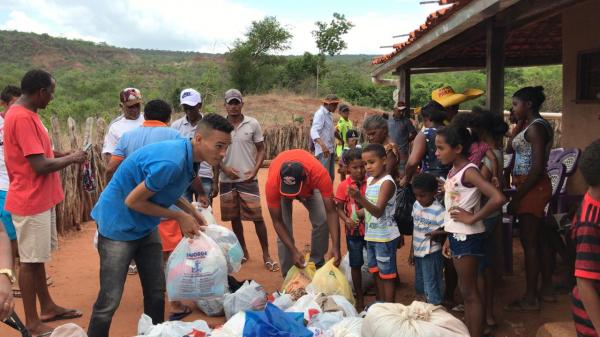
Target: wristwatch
[{"x": 9, "y": 273}]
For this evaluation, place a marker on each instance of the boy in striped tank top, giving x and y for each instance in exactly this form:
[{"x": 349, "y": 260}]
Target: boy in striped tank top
[
  {"x": 426, "y": 253},
  {"x": 382, "y": 234}
]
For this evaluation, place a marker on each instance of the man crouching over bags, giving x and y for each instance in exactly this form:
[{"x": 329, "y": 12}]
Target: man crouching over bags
[{"x": 129, "y": 210}]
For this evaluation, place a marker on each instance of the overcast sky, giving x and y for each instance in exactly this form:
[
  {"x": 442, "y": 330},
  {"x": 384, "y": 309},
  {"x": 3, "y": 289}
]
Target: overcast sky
[{"x": 211, "y": 26}]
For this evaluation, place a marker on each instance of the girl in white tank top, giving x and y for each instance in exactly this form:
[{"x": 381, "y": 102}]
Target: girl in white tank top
[{"x": 463, "y": 220}]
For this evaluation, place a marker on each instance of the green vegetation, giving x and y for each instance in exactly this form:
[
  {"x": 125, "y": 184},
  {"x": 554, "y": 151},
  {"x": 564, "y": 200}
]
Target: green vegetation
[{"x": 90, "y": 75}]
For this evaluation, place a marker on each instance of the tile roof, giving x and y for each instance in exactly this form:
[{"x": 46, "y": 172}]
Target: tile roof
[{"x": 432, "y": 21}]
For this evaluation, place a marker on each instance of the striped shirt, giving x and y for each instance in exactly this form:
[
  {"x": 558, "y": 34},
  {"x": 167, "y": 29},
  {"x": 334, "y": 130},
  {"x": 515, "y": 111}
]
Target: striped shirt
[
  {"x": 384, "y": 228},
  {"x": 426, "y": 220},
  {"x": 586, "y": 235}
]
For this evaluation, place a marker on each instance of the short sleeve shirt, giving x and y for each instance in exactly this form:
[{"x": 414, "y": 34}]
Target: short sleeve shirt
[
  {"x": 117, "y": 128},
  {"x": 586, "y": 235},
  {"x": 341, "y": 196},
  {"x": 187, "y": 130},
  {"x": 241, "y": 154},
  {"x": 317, "y": 178},
  {"x": 400, "y": 130},
  {"x": 166, "y": 168},
  {"x": 3, "y": 171},
  {"x": 29, "y": 193},
  {"x": 426, "y": 220},
  {"x": 148, "y": 133}
]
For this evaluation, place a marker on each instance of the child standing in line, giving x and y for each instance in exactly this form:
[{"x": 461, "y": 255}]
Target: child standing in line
[
  {"x": 425, "y": 253},
  {"x": 382, "y": 234},
  {"x": 586, "y": 234},
  {"x": 351, "y": 143},
  {"x": 463, "y": 219},
  {"x": 352, "y": 215}
]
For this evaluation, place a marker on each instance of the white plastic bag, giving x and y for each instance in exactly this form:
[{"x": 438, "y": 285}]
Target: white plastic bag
[
  {"x": 68, "y": 330},
  {"x": 229, "y": 244},
  {"x": 250, "y": 296},
  {"x": 196, "y": 270},
  {"x": 347, "y": 308},
  {"x": 307, "y": 305},
  {"x": 206, "y": 213},
  {"x": 234, "y": 327},
  {"x": 416, "y": 320},
  {"x": 212, "y": 307},
  {"x": 368, "y": 282},
  {"x": 348, "y": 327},
  {"x": 283, "y": 302},
  {"x": 325, "y": 320},
  {"x": 170, "y": 329}
]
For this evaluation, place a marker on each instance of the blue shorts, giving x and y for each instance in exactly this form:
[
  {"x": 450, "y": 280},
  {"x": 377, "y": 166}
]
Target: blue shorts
[
  {"x": 471, "y": 246},
  {"x": 6, "y": 218},
  {"x": 355, "y": 245},
  {"x": 382, "y": 258}
]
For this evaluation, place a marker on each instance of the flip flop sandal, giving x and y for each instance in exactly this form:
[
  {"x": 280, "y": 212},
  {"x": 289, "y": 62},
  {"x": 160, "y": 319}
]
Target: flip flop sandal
[
  {"x": 46, "y": 334},
  {"x": 459, "y": 308},
  {"x": 244, "y": 260},
  {"x": 69, "y": 314},
  {"x": 132, "y": 270},
  {"x": 272, "y": 266},
  {"x": 522, "y": 306},
  {"x": 16, "y": 293},
  {"x": 49, "y": 281},
  {"x": 178, "y": 316}
]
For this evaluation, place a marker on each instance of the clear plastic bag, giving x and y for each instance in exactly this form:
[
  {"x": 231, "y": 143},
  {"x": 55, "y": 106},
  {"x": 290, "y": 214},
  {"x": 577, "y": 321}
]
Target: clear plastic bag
[
  {"x": 229, "y": 244},
  {"x": 251, "y": 296},
  {"x": 368, "y": 282},
  {"x": 212, "y": 307},
  {"x": 170, "y": 329},
  {"x": 196, "y": 270}
]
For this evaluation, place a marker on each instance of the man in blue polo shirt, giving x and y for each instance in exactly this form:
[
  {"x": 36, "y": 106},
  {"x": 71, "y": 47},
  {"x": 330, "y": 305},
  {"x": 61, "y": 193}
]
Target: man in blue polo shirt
[{"x": 128, "y": 211}]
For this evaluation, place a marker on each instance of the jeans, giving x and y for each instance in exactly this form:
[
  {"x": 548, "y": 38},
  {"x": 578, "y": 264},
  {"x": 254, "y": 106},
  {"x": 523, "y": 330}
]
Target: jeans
[
  {"x": 114, "y": 262},
  {"x": 328, "y": 163},
  {"x": 320, "y": 230},
  {"x": 428, "y": 277}
]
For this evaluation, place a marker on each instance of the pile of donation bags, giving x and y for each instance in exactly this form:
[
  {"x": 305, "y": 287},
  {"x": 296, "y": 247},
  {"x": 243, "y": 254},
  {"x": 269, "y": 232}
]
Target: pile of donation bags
[{"x": 311, "y": 301}]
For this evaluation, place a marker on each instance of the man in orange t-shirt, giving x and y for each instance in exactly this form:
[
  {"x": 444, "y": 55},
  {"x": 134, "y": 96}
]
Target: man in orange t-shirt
[
  {"x": 297, "y": 174},
  {"x": 33, "y": 191}
]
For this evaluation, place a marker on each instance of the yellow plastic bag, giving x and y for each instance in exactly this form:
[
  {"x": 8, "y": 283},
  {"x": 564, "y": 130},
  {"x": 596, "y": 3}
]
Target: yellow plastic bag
[
  {"x": 331, "y": 281},
  {"x": 297, "y": 278}
]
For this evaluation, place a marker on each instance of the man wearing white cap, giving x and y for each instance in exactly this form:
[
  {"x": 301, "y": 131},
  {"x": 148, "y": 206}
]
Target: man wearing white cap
[{"x": 191, "y": 102}]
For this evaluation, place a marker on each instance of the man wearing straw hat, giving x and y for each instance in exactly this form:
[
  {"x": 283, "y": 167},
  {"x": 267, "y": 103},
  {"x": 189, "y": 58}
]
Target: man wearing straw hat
[
  {"x": 450, "y": 100},
  {"x": 322, "y": 133}
]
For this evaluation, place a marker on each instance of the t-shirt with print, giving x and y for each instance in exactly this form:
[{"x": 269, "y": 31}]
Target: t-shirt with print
[
  {"x": 426, "y": 220},
  {"x": 586, "y": 235},
  {"x": 3, "y": 171},
  {"x": 384, "y": 228},
  {"x": 187, "y": 130},
  {"x": 342, "y": 196},
  {"x": 166, "y": 168},
  {"x": 317, "y": 178},
  {"x": 241, "y": 154},
  {"x": 29, "y": 193},
  {"x": 116, "y": 129}
]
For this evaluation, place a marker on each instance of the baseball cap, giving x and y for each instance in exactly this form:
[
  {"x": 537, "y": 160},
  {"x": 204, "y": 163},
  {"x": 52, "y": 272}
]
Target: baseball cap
[
  {"x": 190, "y": 97},
  {"x": 292, "y": 175},
  {"x": 331, "y": 99},
  {"x": 232, "y": 94},
  {"x": 130, "y": 96},
  {"x": 343, "y": 107},
  {"x": 351, "y": 134}
]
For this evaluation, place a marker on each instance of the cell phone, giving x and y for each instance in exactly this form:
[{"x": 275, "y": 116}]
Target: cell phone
[{"x": 87, "y": 147}]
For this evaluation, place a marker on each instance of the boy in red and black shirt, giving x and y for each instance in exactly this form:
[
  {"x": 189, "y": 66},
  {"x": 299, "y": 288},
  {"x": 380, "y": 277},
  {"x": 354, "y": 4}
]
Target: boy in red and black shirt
[
  {"x": 586, "y": 234},
  {"x": 353, "y": 216}
]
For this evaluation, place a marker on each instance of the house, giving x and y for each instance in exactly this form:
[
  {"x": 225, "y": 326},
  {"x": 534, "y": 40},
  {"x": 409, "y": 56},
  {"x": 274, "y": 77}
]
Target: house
[{"x": 494, "y": 34}]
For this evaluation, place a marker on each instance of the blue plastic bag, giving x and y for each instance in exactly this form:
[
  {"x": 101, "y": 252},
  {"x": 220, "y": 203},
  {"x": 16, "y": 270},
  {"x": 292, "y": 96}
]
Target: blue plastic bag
[{"x": 272, "y": 322}]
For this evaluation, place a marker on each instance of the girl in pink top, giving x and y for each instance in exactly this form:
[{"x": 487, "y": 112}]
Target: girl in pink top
[{"x": 463, "y": 190}]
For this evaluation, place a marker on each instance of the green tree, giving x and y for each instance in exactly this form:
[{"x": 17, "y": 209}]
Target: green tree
[{"x": 328, "y": 37}]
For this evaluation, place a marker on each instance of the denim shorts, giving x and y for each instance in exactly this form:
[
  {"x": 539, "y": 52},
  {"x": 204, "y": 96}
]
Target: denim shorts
[
  {"x": 382, "y": 258},
  {"x": 473, "y": 245},
  {"x": 355, "y": 245}
]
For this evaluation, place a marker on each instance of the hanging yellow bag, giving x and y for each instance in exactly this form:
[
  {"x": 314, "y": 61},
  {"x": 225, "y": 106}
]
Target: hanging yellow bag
[
  {"x": 297, "y": 278},
  {"x": 331, "y": 281}
]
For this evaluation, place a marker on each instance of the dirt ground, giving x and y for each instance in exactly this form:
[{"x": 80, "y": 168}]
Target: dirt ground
[{"x": 74, "y": 270}]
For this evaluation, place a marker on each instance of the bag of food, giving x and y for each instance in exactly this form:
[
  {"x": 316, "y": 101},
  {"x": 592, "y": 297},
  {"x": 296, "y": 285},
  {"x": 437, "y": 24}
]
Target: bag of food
[
  {"x": 347, "y": 327},
  {"x": 229, "y": 244},
  {"x": 234, "y": 327},
  {"x": 171, "y": 328},
  {"x": 368, "y": 282},
  {"x": 416, "y": 320},
  {"x": 196, "y": 270},
  {"x": 274, "y": 322},
  {"x": 331, "y": 281},
  {"x": 297, "y": 278},
  {"x": 306, "y": 305},
  {"x": 212, "y": 307},
  {"x": 251, "y": 296}
]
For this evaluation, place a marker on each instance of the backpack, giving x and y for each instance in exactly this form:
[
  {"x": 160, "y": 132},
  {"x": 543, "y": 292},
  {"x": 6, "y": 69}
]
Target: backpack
[{"x": 405, "y": 199}]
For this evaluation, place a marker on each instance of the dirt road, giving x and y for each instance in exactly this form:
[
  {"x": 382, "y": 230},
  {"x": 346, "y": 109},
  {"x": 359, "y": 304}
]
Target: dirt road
[{"x": 74, "y": 270}]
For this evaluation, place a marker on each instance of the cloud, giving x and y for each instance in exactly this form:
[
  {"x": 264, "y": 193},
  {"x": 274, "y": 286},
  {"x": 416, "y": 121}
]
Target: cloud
[{"x": 188, "y": 24}]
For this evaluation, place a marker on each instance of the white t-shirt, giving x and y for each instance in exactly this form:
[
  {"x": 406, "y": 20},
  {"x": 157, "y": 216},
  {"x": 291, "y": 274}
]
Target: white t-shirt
[
  {"x": 3, "y": 172},
  {"x": 187, "y": 130},
  {"x": 384, "y": 228},
  {"x": 116, "y": 129}
]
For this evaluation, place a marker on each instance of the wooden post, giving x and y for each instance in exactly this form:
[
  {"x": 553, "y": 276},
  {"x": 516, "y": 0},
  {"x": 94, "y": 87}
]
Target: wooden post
[
  {"x": 495, "y": 67},
  {"x": 404, "y": 85},
  {"x": 56, "y": 141}
]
